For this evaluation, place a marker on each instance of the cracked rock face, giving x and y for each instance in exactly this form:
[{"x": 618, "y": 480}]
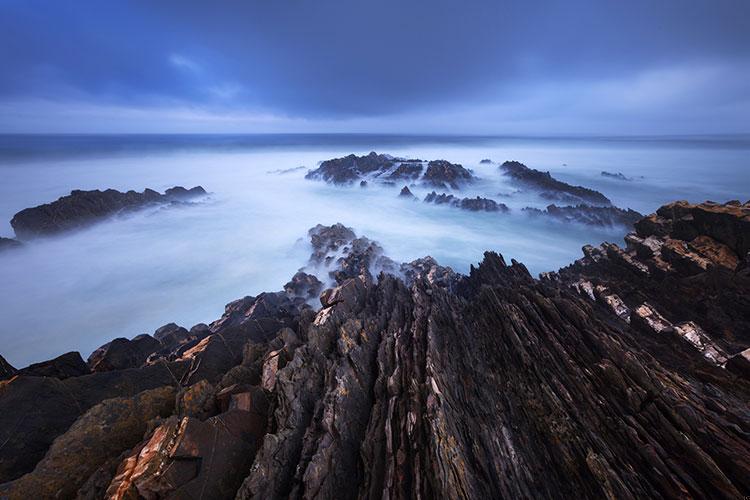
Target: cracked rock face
[{"x": 607, "y": 379}]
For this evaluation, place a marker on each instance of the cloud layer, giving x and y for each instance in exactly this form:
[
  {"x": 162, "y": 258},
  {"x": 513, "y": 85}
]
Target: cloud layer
[{"x": 490, "y": 67}]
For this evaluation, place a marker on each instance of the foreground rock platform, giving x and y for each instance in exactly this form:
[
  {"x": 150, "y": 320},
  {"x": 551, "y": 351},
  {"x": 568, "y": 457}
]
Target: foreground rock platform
[{"x": 621, "y": 376}]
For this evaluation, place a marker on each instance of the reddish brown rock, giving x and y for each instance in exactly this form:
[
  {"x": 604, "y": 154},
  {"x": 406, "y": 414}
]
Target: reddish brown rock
[
  {"x": 100, "y": 434},
  {"x": 122, "y": 353},
  {"x": 188, "y": 458}
]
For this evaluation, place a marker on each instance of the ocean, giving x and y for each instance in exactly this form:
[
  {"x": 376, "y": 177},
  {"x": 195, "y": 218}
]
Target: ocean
[{"x": 133, "y": 273}]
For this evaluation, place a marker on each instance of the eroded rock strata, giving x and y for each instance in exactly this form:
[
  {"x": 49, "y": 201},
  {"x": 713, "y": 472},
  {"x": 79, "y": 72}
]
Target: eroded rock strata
[
  {"x": 80, "y": 208},
  {"x": 417, "y": 382}
]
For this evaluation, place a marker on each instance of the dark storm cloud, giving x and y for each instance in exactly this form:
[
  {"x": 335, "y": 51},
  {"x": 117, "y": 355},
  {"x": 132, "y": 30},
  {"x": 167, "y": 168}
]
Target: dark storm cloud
[{"x": 324, "y": 59}]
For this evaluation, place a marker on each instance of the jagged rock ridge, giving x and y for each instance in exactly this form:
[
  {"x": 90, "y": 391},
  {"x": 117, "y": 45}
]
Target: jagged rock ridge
[
  {"x": 416, "y": 383},
  {"x": 388, "y": 170}
]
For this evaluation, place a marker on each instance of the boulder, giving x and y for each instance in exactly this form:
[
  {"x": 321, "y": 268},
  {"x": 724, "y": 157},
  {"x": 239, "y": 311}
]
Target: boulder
[
  {"x": 303, "y": 285},
  {"x": 193, "y": 457},
  {"x": 100, "y": 434},
  {"x": 67, "y": 365},
  {"x": 35, "y": 410},
  {"x": 122, "y": 353}
]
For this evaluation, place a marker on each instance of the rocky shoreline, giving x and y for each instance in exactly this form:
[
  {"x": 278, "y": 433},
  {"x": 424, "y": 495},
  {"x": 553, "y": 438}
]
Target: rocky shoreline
[{"x": 623, "y": 375}]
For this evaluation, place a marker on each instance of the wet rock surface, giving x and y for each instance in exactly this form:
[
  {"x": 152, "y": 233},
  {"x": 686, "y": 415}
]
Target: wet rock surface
[
  {"x": 81, "y": 208},
  {"x": 623, "y": 375},
  {"x": 551, "y": 188}
]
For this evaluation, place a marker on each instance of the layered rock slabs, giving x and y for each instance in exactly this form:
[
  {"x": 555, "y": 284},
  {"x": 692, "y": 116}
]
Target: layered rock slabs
[
  {"x": 684, "y": 273},
  {"x": 417, "y": 382},
  {"x": 81, "y": 208}
]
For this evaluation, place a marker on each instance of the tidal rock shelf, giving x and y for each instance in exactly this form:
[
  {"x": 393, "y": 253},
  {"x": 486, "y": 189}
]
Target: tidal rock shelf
[
  {"x": 623, "y": 375},
  {"x": 81, "y": 208}
]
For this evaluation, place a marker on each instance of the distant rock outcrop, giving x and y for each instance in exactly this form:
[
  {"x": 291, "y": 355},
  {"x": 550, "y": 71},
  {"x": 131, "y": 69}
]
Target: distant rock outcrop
[
  {"x": 588, "y": 214},
  {"x": 81, "y": 208},
  {"x": 388, "y": 170},
  {"x": 444, "y": 174},
  {"x": 618, "y": 175},
  {"x": 406, "y": 193},
  {"x": 551, "y": 188},
  {"x": 477, "y": 204}
]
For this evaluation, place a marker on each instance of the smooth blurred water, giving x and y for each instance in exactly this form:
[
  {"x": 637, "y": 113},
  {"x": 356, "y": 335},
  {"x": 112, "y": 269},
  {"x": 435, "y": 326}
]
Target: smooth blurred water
[{"x": 132, "y": 274}]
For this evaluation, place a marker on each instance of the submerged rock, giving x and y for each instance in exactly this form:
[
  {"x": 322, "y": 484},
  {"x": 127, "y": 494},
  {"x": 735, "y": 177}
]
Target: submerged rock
[
  {"x": 477, "y": 204},
  {"x": 588, "y": 214},
  {"x": 618, "y": 175},
  {"x": 550, "y": 187},
  {"x": 81, "y": 208},
  {"x": 406, "y": 193},
  {"x": 8, "y": 243}
]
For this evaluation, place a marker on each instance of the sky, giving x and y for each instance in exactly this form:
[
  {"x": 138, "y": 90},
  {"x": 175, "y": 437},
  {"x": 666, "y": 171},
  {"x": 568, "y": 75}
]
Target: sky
[{"x": 604, "y": 67}]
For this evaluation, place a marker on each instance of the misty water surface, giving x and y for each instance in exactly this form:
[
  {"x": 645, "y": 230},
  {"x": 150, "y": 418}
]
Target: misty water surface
[{"x": 135, "y": 273}]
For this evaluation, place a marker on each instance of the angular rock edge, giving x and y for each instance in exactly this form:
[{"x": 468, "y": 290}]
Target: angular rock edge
[{"x": 615, "y": 377}]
